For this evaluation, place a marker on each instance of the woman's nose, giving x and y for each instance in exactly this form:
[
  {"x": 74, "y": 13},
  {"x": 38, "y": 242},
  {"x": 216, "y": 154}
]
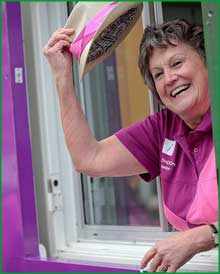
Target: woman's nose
[{"x": 169, "y": 77}]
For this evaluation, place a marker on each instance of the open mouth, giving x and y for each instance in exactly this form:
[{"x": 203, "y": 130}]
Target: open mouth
[{"x": 179, "y": 90}]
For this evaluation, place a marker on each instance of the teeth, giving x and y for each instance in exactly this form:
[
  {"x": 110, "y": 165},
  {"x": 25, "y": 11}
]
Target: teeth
[{"x": 178, "y": 90}]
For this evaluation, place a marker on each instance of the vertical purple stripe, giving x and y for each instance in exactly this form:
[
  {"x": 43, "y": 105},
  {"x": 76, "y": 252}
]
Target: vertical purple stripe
[
  {"x": 12, "y": 230},
  {"x": 23, "y": 182}
]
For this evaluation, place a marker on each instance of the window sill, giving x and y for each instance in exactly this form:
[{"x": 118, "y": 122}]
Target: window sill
[{"x": 128, "y": 255}]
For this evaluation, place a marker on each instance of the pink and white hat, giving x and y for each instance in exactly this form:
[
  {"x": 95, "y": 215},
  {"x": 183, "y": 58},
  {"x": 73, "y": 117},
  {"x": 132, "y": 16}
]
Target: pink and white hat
[{"x": 99, "y": 28}]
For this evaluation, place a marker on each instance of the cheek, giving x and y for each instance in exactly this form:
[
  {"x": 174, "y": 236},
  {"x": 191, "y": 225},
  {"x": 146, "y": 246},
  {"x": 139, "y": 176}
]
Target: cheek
[
  {"x": 160, "y": 89},
  {"x": 201, "y": 81},
  {"x": 199, "y": 73}
]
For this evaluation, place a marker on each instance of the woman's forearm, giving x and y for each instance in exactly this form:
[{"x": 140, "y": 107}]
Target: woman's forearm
[{"x": 80, "y": 141}]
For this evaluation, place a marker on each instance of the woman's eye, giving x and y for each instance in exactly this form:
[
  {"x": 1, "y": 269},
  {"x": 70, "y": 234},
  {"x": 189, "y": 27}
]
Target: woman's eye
[
  {"x": 158, "y": 75},
  {"x": 177, "y": 63}
]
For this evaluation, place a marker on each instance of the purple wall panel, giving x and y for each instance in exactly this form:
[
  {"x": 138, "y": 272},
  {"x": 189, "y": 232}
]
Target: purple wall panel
[
  {"x": 22, "y": 135},
  {"x": 11, "y": 211},
  {"x": 20, "y": 234}
]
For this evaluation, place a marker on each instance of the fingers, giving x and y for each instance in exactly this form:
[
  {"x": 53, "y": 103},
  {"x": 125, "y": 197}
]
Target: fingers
[
  {"x": 61, "y": 34},
  {"x": 156, "y": 262},
  {"x": 56, "y": 38},
  {"x": 162, "y": 268},
  {"x": 68, "y": 32},
  {"x": 166, "y": 268},
  {"x": 147, "y": 257},
  {"x": 172, "y": 268}
]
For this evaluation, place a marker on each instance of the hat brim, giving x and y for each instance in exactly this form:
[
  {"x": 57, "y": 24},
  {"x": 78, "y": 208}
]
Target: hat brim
[{"x": 80, "y": 15}]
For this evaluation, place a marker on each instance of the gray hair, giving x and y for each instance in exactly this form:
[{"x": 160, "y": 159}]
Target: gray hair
[{"x": 161, "y": 36}]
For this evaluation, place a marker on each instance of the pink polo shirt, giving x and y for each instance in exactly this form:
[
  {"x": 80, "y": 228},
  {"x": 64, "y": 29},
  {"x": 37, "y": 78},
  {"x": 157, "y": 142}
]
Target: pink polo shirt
[{"x": 185, "y": 161}]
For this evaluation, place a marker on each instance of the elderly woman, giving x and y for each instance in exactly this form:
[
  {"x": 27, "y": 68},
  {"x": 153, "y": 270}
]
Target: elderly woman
[{"x": 175, "y": 143}]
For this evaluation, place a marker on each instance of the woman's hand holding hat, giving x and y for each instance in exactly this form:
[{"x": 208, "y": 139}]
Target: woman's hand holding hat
[{"x": 57, "y": 52}]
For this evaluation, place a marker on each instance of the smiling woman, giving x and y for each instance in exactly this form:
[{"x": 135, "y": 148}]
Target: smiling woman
[
  {"x": 167, "y": 143},
  {"x": 103, "y": 224},
  {"x": 181, "y": 80},
  {"x": 172, "y": 64}
]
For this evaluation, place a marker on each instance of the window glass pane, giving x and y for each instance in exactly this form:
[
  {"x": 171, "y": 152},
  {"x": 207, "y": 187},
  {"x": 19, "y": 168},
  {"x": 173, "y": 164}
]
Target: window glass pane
[
  {"x": 190, "y": 11},
  {"x": 115, "y": 96},
  {"x": 120, "y": 201}
]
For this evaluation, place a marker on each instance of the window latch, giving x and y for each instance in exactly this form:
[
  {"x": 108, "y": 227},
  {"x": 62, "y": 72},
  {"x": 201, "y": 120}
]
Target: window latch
[{"x": 55, "y": 196}]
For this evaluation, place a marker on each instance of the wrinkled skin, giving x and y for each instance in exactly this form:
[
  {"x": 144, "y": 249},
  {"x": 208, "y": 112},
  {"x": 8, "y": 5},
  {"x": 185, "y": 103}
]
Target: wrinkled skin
[
  {"x": 57, "y": 52},
  {"x": 176, "y": 250}
]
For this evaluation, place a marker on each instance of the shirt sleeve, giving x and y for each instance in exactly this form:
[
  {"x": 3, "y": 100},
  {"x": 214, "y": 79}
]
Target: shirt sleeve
[{"x": 143, "y": 140}]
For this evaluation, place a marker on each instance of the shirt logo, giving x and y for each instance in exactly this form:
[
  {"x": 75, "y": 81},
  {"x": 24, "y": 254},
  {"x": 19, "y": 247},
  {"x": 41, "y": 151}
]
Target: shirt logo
[{"x": 168, "y": 147}]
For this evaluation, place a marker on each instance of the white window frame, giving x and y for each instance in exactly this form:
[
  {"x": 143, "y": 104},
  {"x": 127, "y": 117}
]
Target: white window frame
[
  {"x": 68, "y": 237},
  {"x": 84, "y": 88}
]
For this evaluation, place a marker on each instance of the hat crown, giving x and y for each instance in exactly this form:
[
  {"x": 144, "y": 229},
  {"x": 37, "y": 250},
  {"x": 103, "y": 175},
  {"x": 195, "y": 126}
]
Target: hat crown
[{"x": 84, "y": 13}]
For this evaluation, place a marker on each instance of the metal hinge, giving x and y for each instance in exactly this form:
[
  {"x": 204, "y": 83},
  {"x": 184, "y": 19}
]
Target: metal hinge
[{"x": 55, "y": 196}]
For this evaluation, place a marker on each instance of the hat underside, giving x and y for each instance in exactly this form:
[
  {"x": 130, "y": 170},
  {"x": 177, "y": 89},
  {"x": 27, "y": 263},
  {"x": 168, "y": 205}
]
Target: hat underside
[{"x": 110, "y": 35}]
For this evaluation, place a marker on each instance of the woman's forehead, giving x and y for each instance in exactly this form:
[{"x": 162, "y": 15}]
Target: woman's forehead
[{"x": 160, "y": 56}]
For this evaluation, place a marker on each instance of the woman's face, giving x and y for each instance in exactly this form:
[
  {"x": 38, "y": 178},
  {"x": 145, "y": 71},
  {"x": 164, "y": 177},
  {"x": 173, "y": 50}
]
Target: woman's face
[{"x": 181, "y": 80}]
